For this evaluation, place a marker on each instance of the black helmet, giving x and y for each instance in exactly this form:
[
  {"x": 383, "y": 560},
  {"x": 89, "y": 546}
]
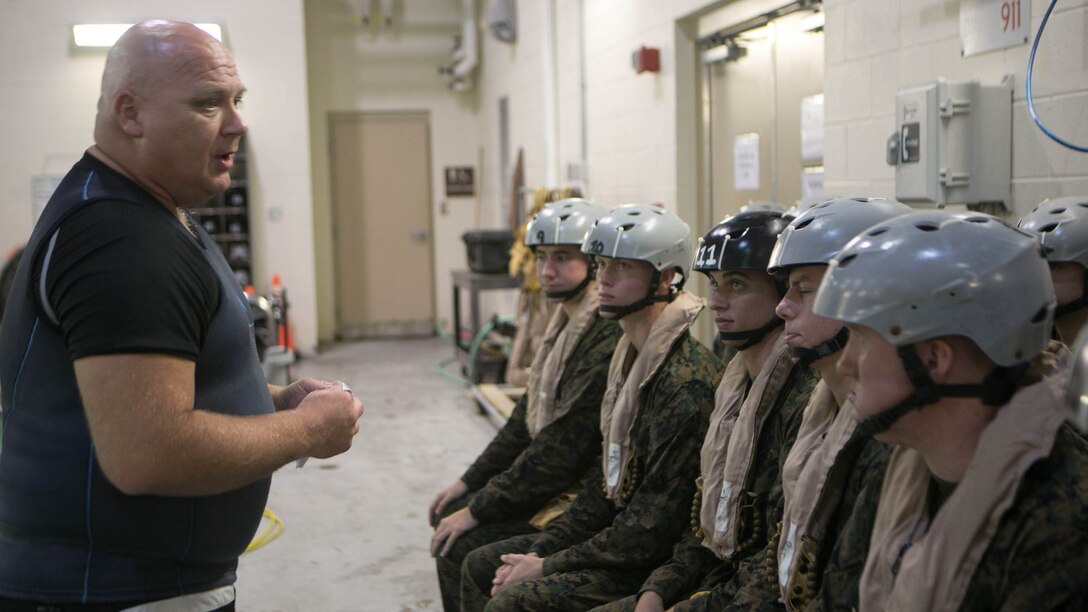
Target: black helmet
[{"x": 741, "y": 242}]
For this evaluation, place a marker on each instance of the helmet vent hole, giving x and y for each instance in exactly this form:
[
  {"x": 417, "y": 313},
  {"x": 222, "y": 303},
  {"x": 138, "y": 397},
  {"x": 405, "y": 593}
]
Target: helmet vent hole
[
  {"x": 845, "y": 261},
  {"x": 1083, "y": 204},
  {"x": 977, "y": 220},
  {"x": 878, "y": 231},
  {"x": 895, "y": 330},
  {"x": 634, "y": 213},
  {"x": 914, "y": 306},
  {"x": 1039, "y": 316},
  {"x": 1057, "y": 211},
  {"x": 1049, "y": 227},
  {"x": 564, "y": 217},
  {"x": 627, "y": 227},
  {"x": 803, "y": 224},
  {"x": 927, "y": 227}
]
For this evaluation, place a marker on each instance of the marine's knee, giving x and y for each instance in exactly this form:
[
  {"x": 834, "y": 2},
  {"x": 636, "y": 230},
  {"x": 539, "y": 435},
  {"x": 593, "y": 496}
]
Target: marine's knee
[
  {"x": 510, "y": 600},
  {"x": 479, "y": 568}
]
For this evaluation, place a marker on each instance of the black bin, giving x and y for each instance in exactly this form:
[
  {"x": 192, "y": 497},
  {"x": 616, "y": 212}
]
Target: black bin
[{"x": 488, "y": 250}]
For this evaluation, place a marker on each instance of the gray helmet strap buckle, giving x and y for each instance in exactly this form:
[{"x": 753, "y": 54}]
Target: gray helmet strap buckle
[
  {"x": 995, "y": 390},
  {"x": 808, "y": 356},
  {"x": 753, "y": 336}
]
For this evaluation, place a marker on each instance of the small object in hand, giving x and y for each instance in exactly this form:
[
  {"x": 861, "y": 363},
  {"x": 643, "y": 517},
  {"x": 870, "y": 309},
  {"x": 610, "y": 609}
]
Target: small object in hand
[{"x": 301, "y": 462}]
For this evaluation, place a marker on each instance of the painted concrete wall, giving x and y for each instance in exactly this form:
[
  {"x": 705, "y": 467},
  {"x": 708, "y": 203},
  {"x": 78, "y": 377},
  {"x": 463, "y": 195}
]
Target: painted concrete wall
[{"x": 876, "y": 47}]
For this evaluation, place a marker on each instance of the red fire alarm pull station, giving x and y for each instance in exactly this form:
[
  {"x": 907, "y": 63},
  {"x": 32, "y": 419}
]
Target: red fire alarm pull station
[{"x": 646, "y": 59}]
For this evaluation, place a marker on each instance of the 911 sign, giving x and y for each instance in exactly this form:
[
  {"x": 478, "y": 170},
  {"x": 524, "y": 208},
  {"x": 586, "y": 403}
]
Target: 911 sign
[{"x": 986, "y": 25}]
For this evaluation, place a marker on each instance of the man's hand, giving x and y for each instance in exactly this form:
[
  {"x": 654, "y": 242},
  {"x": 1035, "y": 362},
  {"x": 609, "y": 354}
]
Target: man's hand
[
  {"x": 444, "y": 497},
  {"x": 333, "y": 417},
  {"x": 289, "y": 397},
  {"x": 450, "y": 529},
  {"x": 650, "y": 602},
  {"x": 515, "y": 569}
]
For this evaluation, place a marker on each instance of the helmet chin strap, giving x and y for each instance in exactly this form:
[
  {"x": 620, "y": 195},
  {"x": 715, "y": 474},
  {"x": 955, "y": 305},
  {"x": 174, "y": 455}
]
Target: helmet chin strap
[
  {"x": 753, "y": 336},
  {"x": 565, "y": 296},
  {"x": 619, "y": 312},
  {"x": 1076, "y": 304},
  {"x": 808, "y": 356},
  {"x": 995, "y": 390}
]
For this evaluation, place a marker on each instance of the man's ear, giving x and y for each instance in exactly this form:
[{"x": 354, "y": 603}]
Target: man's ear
[
  {"x": 126, "y": 113},
  {"x": 938, "y": 355},
  {"x": 667, "y": 277}
]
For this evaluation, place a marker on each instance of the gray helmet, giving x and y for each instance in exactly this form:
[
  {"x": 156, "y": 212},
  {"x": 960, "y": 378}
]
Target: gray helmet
[
  {"x": 563, "y": 222},
  {"x": 932, "y": 274},
  {"x": 1077, "y": 395},
  {"x": 761, "y": 206},
  {"x": 824, "y": 229},
  {"x": 1062, "y": 226},
  {"x": 644, "y": 232}
]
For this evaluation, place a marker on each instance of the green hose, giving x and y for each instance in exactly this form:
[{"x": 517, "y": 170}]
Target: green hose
[{"x": 473, "y": 350}]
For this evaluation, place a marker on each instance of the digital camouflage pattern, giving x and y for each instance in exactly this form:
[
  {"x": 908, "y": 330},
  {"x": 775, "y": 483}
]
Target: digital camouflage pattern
[
  {"x": 693, "y": 567},
  {"x": 833, "y": 567},
  {"x": 517, "y": 474},
  {"x": 1038, "y": 559},
  {"x": 597, "y": 551}
]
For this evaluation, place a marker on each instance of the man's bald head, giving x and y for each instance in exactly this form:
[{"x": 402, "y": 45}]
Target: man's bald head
[
  {"x": 146, "y": 52},
  {"x": 168, "y": 113}
]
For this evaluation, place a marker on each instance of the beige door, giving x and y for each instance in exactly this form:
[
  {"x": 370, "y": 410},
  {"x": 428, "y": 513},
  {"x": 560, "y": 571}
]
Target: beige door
[
  {"x": 382, "y": 224},
  {"x": 757, "y": 102}
]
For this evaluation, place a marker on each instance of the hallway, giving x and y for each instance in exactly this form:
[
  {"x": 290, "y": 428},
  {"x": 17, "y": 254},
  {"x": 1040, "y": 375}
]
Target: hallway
[{"x": 356, "y": 535}]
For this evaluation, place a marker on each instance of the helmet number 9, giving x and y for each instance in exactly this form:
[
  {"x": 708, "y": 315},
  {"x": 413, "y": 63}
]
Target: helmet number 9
[{"x": 540, "y": 236}]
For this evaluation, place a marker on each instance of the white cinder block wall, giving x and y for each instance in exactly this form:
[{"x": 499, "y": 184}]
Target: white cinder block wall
[
  {"x": 876, "y": 47},
  {"x": 630, "y": 117}
]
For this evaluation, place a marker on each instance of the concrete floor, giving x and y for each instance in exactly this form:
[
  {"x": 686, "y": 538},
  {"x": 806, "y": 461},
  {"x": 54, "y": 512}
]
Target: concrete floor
[{"x": 356, "y": 536}]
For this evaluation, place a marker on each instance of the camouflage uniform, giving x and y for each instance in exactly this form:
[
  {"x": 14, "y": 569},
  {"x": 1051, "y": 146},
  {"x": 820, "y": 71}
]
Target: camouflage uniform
[
  {"x": 599, "y": 551},
  {"x": 517, "y": 475},
  {"x": 835, "y": 565},
  {"x": 1038, "y": 559},
  {"x": 693, "y": 567}
]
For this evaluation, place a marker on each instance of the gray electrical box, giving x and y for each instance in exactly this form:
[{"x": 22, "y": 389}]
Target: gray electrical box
[{"x": 953, "y": 143}]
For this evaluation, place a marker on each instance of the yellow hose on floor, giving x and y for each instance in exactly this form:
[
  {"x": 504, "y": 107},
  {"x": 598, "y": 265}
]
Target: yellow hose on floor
[{"x": 272, "y": 530}]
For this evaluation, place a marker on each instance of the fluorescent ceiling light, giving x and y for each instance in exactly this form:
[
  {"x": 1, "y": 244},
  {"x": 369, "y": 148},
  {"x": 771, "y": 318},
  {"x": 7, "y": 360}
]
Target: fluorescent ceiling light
[
  {"x": 105, "y": 34},
  {"x": 813, "y": 22}
]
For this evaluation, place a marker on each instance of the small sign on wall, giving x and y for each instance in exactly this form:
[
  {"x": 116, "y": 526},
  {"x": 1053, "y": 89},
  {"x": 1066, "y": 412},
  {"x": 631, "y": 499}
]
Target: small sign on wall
[
  {"x": 460, "y": 181},
  {"x": 812, "y": 128},
  {"x": 746, "y": 162},
  {"x": 986, "y": 25},
  {"x": 42, "y": 187}
]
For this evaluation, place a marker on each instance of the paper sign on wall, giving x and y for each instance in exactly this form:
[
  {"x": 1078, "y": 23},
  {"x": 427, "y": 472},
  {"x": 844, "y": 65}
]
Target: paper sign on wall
[
  {"x": 746, "y": 162},
  {"x": 812, "y": 128},
  {"x": 812, "y": 182},
  {"x": 42, "y": 187}
]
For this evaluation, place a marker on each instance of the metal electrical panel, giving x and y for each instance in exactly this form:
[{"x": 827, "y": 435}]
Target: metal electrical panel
[{"x": 953, "y": 143}]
